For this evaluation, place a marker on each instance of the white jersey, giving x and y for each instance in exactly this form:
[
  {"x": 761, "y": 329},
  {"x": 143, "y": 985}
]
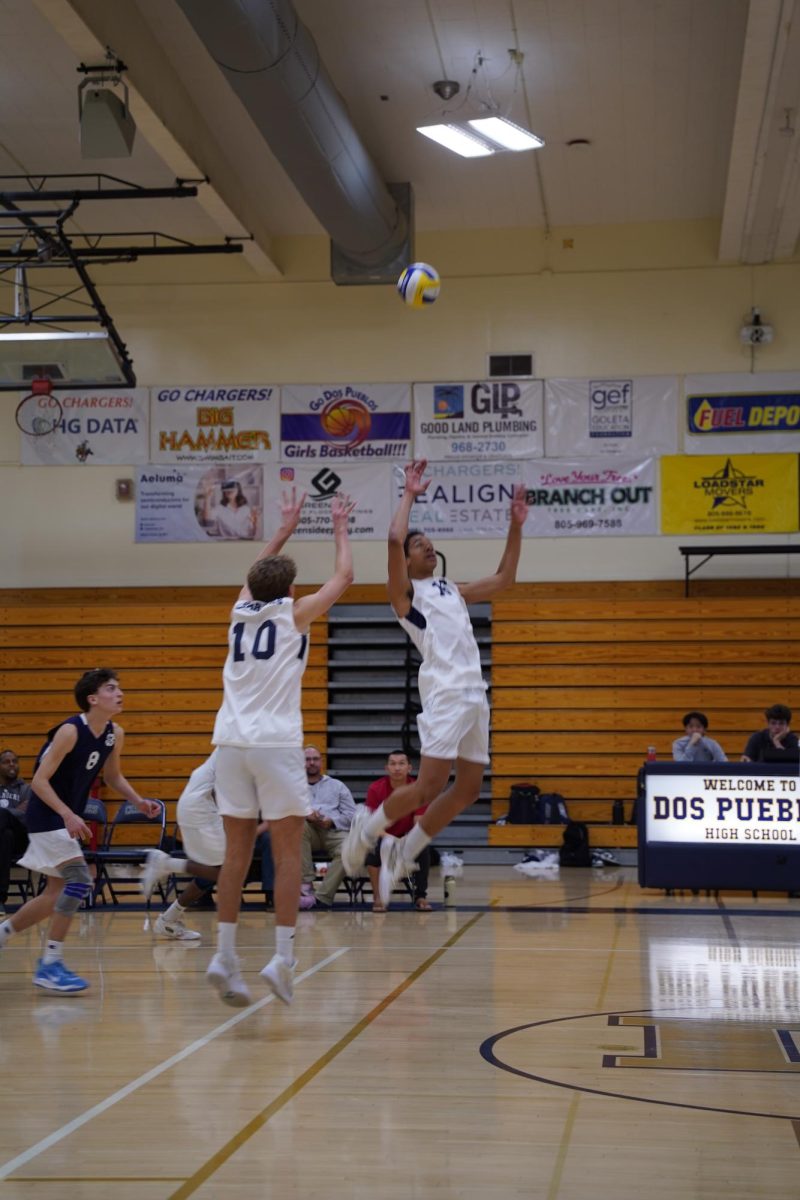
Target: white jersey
[
  {"x": 197, "y": 805},
  {"x": 262, "y": 677},
  {"x": 439, "y": 626}
]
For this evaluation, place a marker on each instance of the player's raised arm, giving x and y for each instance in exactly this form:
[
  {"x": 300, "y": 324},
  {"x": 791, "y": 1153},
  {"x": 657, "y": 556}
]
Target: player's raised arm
[
  {"x": 308, "y": 608},
  {"x": 291, "y": 508},
  {"x": 398, "y": 585},
  {"x": 506, "y": 574}
]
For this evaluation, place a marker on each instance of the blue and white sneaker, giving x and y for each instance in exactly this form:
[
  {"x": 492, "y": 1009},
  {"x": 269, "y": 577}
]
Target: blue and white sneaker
[
  {"x": 56, "y": 978},
  {"x": 393, "y": 867}
]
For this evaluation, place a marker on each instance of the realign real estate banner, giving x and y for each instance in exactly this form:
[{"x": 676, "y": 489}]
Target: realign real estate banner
[{"x": 745, "y": 493}]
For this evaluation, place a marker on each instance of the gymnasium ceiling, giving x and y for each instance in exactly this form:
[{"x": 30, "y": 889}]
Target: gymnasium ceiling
[{"x": 690, "y": 108}]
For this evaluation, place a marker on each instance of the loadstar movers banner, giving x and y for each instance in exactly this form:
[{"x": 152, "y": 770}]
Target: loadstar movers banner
[
  {"x": 585, "y": 418},
  {"x": 214, "y": 423},
  {"x": 746, "y": 493},
  {"x": 498, "y": 418},
  {"x": 96, "y": 428},
  {"x": 352, "y": 422},
  {"x": 742, "y": 414}
]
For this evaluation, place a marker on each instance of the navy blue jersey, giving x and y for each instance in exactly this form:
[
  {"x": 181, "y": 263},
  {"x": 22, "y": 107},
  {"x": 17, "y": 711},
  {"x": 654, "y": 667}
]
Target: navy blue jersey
[{"x": 74, "y": 775}]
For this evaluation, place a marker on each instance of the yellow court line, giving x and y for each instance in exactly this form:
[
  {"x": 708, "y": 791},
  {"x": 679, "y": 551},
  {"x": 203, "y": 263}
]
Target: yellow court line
[
  {"x": 561, "y": 1156},
  {"x": 259, "y": 1121}
]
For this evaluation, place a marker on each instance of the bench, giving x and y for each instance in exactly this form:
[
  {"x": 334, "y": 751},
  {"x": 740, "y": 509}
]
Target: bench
[{"x": 707, "y": 552}]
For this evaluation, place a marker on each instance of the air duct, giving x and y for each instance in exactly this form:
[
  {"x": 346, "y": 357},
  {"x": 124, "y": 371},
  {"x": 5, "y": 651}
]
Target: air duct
[{"x": 271, "y": 61}]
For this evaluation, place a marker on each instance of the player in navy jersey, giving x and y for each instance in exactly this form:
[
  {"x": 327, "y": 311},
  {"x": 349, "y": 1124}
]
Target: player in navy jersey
[
  {"x": 260, "y": 769},
  {"x": 454, "y": 723},
  {"x": 68, "y": 764}
]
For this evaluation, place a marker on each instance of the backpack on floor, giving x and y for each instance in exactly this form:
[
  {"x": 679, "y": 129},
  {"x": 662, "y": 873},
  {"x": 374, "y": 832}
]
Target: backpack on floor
[
  {"x": 551, "y": 809},
  {"x": 575, "y": 851}
]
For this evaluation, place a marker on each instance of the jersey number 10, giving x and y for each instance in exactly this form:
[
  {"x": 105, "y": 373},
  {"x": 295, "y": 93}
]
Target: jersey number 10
[{"x": 264, "y": 634}]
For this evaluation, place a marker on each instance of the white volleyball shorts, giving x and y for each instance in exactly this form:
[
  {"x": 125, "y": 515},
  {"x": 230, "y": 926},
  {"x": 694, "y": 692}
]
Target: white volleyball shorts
[
  {"x": 48, "y": 851},
  {"x": 262, "y": 782},
  {"x": 455, "y": 725}
]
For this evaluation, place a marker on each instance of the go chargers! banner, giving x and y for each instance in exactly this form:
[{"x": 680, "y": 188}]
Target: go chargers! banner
[
  {"x": 498, "y": 418},
  {"x": 586, "y": 499},
  {"x": 586, "y": 418},
  {"x": 96, "y": 427},
  {"x": 743, "y": 413},
  {"x": 223, "y": 423},
  {"x": 200, "y": 503},
  {"x": 346, "y": 422},
  {"x": 748, "y": 493},
  {"x": 366, "y": 483}
]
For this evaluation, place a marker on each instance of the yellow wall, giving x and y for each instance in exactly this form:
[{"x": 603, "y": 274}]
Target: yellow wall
[{"x": 632, "y": 299}]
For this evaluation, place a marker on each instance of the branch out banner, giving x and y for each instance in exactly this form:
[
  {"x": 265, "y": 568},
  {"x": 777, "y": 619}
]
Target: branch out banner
[
  {"x": 746, "y": 493},
  {"x": 221, "y": 423},
  {"x": 743, "y": 413},
  {"x": 97, "y": 427},
  {"x": 586, "y": 418},
  {"x": 499, "y": 418},
  {"x": 351, "y": 422},
  {"x": 199, "y": 503},
  {"x": 585, "y": 498},
  {"x": 366, "y": 483},
  {"x": 464, "y": 500}
]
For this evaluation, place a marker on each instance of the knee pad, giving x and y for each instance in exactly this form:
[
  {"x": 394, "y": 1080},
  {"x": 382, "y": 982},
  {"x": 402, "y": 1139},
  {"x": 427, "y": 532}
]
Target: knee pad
[{"x": 78, "y": 887}]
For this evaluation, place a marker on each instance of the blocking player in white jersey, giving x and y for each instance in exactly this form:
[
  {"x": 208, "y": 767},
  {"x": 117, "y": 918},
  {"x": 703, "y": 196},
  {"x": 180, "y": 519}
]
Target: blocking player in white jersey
[
  {"x": 454, "y": 722},
  {"x": 260, "y": 768}
]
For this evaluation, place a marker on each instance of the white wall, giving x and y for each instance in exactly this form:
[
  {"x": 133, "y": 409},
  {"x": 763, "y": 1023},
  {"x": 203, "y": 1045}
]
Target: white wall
[{"x": 623, "y": 301}]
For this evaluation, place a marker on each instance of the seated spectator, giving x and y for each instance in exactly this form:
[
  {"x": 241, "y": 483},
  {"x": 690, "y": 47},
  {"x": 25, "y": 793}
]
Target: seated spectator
[
  {"x": 777, "y": 736},
  {"x": 14, "y": 794},
  {"x": 397, "y": 774},
  {"x": 695, "y": 746},
  {"x": 332, "y": 809}
]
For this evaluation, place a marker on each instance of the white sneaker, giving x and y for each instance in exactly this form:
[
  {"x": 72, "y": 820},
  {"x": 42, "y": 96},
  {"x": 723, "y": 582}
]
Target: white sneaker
[
  {"x": 280, "y": 976},
  {"x": 155, "y": 869},
  {"x": 224, "y": 974},
  {"x": 393, "y": 867},
  {"x": 358, "y": 843},
  {"x": 175, "y": 929}
]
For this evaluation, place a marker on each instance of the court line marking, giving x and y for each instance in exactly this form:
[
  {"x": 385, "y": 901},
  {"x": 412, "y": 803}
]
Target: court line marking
[
  {"x": 212, "y": 1165},
  {"x": 561, "y": 1155},
  {"x": 96, "y": 1110}
]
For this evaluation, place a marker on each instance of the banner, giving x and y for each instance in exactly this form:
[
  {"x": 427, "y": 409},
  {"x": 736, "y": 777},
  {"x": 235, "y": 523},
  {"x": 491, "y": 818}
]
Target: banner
[
  {"x": 749, "y": 810},
  {"x": 464, "y": 500},
  {"x": 346, "y": 422},
  {"x": 585, "y": 499},
  {"x": 499, "y": 418},
  {"x": 199, "y": 504},
  {"x": 751, "y": 493},
  {"x": 97, "y": 428},
  {"x": 224, "y": 423},
  {"x": 366, "y": 483},
  {"x": 585, "y": 418},
  {"x": 742, "y": 413}
]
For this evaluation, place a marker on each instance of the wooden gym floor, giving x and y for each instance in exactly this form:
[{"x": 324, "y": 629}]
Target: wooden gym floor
[{"x": 565, "y": 1038}]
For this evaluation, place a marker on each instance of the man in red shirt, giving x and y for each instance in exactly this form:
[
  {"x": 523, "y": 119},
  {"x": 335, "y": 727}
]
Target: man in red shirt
[{"x": 397, "y": 775}]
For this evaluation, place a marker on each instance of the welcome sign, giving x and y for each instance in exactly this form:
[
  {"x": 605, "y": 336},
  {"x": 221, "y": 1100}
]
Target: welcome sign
[{"x": 744, "y": 810}]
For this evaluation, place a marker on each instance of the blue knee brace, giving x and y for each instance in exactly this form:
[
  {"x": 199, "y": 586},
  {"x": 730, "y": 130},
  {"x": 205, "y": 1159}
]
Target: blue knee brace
[{"x": 77, "y": 888}]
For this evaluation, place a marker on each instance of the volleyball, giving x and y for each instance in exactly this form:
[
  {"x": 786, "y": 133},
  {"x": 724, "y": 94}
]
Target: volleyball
[{"x": 419, "y": 284}]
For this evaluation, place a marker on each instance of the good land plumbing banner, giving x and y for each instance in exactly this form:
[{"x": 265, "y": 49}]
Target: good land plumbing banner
[
  {"x": 742, "y": 413},
  {"x": 587, "y": 418},
  {"x": 222, "y": 423},
  {"x": 199, "y": 503},
  {"x": 747, "y": 493},
  {"x": 499, "y": 418},
  {"x": 353, "y": 422},
  {"x": 96, "y": 428}
]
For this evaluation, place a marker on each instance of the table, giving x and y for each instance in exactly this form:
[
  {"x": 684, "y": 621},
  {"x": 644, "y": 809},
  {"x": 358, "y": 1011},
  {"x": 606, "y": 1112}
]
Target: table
[{"x": 707, "y": 552}]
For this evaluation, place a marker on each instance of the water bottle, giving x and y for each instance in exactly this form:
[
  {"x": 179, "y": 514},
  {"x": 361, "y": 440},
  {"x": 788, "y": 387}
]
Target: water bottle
[
  {"x": 618, "y": 813},
  {"x": 449, "y": 891},
  {"x": 651, "y": 754}
]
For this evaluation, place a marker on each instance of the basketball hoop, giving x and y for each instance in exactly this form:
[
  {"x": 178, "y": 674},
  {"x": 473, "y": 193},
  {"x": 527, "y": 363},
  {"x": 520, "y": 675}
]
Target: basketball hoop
[{"x": 40, "y": 412}]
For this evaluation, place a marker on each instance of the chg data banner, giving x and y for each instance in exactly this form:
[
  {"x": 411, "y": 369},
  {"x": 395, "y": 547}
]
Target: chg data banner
[
  {"x": 585, "y": 498},
  {"x": 353, "y": 422},
  {"x": 221, "y": 423},
  {"x": 199, "y": 503},
  {"x": 742, "y": 413},
  {"x": 587, "y": 418},
  {"x": 463, "y": 500},
  {"x": 96, "y": 428},
  {"x": 498, "y": 418},
  {"x": 366, "y": 483},
  {"x": 747, "y": 493}
]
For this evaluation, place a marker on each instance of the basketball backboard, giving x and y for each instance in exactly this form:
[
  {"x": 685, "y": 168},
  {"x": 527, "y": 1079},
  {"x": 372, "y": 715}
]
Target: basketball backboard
[{"x": 68, "y": 360}]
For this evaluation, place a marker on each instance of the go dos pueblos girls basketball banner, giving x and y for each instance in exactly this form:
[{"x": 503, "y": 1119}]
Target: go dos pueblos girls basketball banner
[{"x": 346, "y": 422}]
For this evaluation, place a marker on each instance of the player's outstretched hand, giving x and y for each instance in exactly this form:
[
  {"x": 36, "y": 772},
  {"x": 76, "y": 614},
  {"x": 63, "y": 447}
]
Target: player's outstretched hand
[
  {"x": 150, "y": 808},
  {"x": 341, "y": 507},
  {"x": 519, "y": 504},
  {"x": 414, "y": 471},
  {"x": 291, "y": 508}
]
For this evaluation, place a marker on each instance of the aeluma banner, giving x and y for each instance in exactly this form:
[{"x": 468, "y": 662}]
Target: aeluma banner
[
  {"x": 587, "y": 499},
  {"x": 214, "y": 423},
  {"x": 741, "y": 414},
  {"x": 199, "y": 503},
  {"x": 96, "y": 427},
  {"x": 484, "y": 419},
  {"x": 356, "y": 422}
]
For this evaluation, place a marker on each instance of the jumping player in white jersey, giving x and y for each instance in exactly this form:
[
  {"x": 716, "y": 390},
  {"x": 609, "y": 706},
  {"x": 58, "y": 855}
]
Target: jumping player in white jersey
[
  {"x": 260, "y": 769},
  {"x": 454, "y": 722}
]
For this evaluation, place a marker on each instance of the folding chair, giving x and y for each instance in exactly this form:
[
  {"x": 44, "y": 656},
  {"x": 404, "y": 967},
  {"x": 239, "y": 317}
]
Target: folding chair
[
  {"x": 96, "y": 817},
  {"x": 130, "y": 836}
]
